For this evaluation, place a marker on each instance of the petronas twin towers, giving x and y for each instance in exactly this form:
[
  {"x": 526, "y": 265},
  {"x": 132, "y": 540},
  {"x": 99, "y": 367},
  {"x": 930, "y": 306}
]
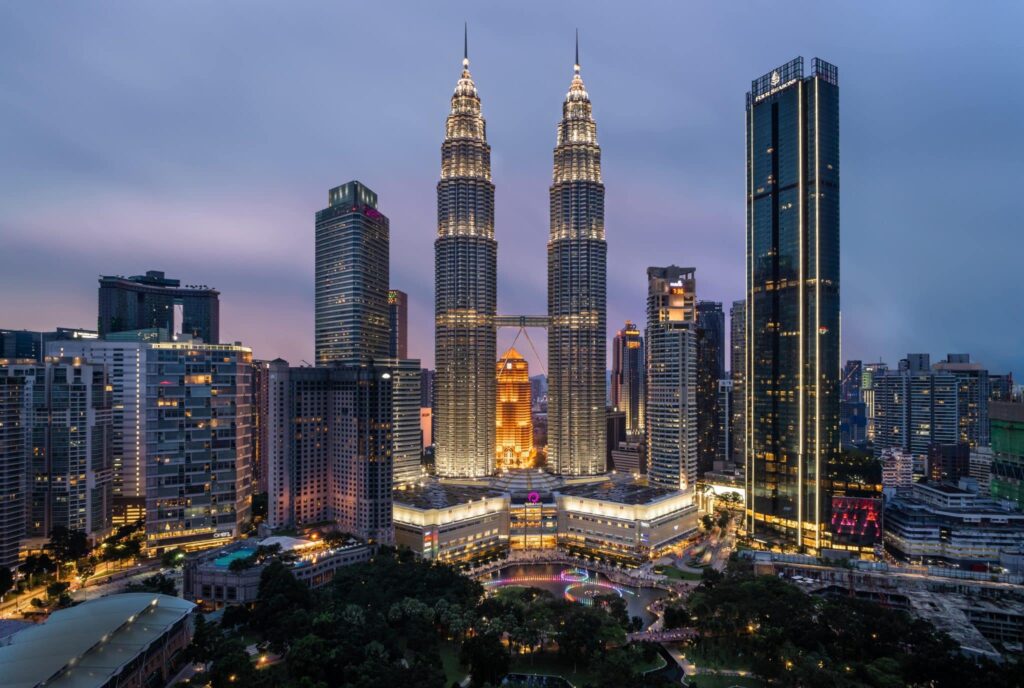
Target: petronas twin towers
[{"x": 465, "y": 277}]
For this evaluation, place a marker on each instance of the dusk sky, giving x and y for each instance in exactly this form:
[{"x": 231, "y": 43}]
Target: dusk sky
[{"x": 199, "y": 138}]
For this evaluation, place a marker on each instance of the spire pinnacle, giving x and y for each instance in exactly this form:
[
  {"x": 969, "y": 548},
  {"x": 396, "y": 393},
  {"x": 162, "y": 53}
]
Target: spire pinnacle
[
  {"x": 576, "y": 65},
  {"x": 465, "y": 44}
]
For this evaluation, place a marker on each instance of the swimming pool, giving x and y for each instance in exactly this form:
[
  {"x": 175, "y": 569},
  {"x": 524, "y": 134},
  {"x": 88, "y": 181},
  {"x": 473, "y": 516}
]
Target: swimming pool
[{"x": 225, "y": 560}]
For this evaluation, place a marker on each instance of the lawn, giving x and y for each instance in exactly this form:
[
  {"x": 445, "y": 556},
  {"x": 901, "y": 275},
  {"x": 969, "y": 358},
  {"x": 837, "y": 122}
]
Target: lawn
[
  {"x": 677, "y": 574},
  {"x": 453, "y": 671}
]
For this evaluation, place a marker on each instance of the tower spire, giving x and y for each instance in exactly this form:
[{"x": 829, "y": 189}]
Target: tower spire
[
  {"x": 465, "y": 44},
  {"x": 576, "y": 65}
]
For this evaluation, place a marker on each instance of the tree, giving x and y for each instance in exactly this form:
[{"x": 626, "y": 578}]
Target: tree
[
  {"x": 158, "y": 583},
  {"x": 486, "y": 658},
  {"x": 173, "y": 558},
  {"x": 205, "y": 639},
  {"x": 707, "y": 521},
  {"x": 6, "y": 581},
  {"x": 35, "y": 565},
  {"x": 68, "y": 545}
]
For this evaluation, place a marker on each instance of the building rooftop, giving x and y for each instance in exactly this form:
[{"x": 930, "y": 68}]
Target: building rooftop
[
  {"x": 618, "y": 491},
  {"x": 437, "y": 495},
  {"x": 85, "y": 645}
]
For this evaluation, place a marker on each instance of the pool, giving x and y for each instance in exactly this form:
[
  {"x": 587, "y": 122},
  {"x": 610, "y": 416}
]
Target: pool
[{"x": 225, "y": 560}]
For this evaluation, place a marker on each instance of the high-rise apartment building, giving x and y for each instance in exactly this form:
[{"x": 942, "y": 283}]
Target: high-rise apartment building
[
  {"x": 915, "y": 407},
  {"x": 726, "y": 401},
  {"x": 792, "y": 124},
  {"x": 867, "y": 393},
  {"x": 710, "y": 369},
  {"x": 13, "y": 469},
  {"x": 973, "y": 393},
  {"x": 671, "y": 377},
  {"x": 514, "y": 420},
  {"x": 738, "y": 373},
  {"x": 330, "y": 447},
  {"x": 1007, "y": 462},
  {"x": 26, "y": 344},
  {"x": 198, "y": 443},
  {"x": 852, "y": 409},
  {"x": 154, "y": 301},
  {"x": 465, "y": 291},
  {"x": 124, "y": 361},
  {"x": 398, "y": 321},
  {"x": 577, "y": 293},
  {"x": 629, "y": 363},
  {"x": 67, "y": 416},
  {"x": 352, "y": 247}
]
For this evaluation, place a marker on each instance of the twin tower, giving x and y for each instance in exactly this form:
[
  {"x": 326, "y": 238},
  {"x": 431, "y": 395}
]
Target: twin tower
[{"x": 465, "y": 280}]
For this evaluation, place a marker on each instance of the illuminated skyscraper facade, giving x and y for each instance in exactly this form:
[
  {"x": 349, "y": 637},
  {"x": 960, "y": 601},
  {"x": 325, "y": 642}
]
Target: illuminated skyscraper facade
[
  {"x": 671, "y": 377},
  {"x": 514, "y": 423},
  {"x": 738, "y": 373},
  {"x": 792, "y": 124},
  {"x": 628, "y": 377},
  {"x": 465, "y": 286},
  {"x": 352, "y": 244},
  {"x": 577, "y": 293}
]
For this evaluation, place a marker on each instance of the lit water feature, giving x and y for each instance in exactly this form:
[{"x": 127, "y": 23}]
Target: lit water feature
[{"x": 576, "y": 585}]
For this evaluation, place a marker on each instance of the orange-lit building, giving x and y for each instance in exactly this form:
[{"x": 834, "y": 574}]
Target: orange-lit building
[{"x": 514, "y": 436}]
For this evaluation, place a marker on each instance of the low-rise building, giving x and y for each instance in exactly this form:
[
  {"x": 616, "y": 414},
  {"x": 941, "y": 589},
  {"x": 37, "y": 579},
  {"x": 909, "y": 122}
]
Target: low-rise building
[
  {"x": 941, "y": 523},
  {"x": 211, "y": 581},
  {"x": 131, "y": 639},
  {"x": 449, "y": 522}
]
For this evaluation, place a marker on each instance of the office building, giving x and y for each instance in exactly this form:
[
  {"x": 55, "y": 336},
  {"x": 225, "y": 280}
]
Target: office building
[
  {"x": 915, "y": 407},
  {"x": 514, "y": 422},
  {"x": 198, "y": 444},
  {"x": 738, "y": 373},
  {"x": 577, "y": 293},
  {"x": 330, "y": 447},
  {"x": 615, "y": 431},
  {"x": 260, "y": 439},
  {"x": 426, "y": 426},
  {"x": 980, "y": 469},
  {"x": 1007, "y": 457},
  {"x": 630, "y": 457},
  {"x": 897, "y": 469},
  {"x": 973, "y": 392},
  {"x": 465, "y": 291},
  {"x": 13, "y": 469},
  {"x": 155, "y": 301},
  {"x": 792, "y": 124},
  {"x": 124, "y": 362},
  {"x": 398, "y": 320},
  {"x": 671, "y": 377},
  {"x": 406, "y": 437},
  {"x": 867, "y": 393},
  {"x": 710, "y": 369},
  {"x": 628, "y": 376},
  {"x": 352, "y": 245},
  {"x": 948, "y": 463},
  {"x": 1001, "y": 387},
  {"x": 67, "y": 416},
  {"x": 853, "y": 420}
]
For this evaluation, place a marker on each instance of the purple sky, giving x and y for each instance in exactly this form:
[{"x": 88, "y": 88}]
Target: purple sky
[{"x": 200, "y": 138}]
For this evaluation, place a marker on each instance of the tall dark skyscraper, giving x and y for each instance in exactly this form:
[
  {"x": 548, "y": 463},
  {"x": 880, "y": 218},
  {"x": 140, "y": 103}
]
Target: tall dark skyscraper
[
  {"x": 351, "y": 277},
  {"x": 14, "y": 436},
  {"x": 465, "y": 292},
  {"x": 398, "y": 322},
  {"x": 792, "y": 124},
  {"x": 577, "y": 293},
  {"x": 153, "y": 300},
  {"x": 738, "y": 373},
  {"x": 710, "y": 370},
  {"x": 628, "y": 393}
]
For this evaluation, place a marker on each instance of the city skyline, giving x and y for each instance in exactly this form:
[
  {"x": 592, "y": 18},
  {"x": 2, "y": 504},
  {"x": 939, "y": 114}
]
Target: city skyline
[{"x": 262, "y": 214}]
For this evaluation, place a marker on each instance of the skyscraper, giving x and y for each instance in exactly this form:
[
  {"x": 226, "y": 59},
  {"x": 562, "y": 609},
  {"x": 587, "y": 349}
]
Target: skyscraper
[
  {"x": 628, "y": 376},
  {"x": 792, "y": 124},
  {"x": 13, "y": 468},
  {"x": 710, "y": 369},
  {"x": 577, "y": 293},
  {"x": 514, "y": 422},
  {"x": 973, "y": 393},
  {"x": 351, "y": 277},
  {"x": 154, "y": 301},
  {"x": 465, "y": 291},
  {"x": 671, "y": 377},
  {"x": 67, "y": 442},
  {"x": 407, "y": 442},
  {"x": 915, "y": 407},
  {"x": 198, "y": 443},
  {"x": 398, "y": 319},
  {"x": 738, "y": 373},
  {"x": 330, "y": 447}
]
